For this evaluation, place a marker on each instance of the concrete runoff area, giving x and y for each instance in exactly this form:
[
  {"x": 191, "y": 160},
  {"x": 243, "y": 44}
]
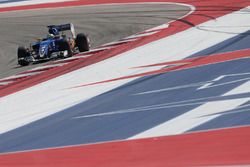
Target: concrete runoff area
[{"x": 102, "y": 23}]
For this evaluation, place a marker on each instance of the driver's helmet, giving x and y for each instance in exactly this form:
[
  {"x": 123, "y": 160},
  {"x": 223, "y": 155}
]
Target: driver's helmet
[{"x": 54, "y": 31}]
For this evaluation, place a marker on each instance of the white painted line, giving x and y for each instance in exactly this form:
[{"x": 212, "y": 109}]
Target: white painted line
[
  {"x": 98, "y": 49},
  {"x": 20, "y": 76},
  {"x": 72, "y": 58},
  {"x": 119, "y": 42},
  {"x": 163, "y": 106},
  {"x": 82, "y": 55},
  {"x": 141, "y": 35},
  {"x": 68, "y": 59},
  {"x": 211, "y": 85},
  {"x": 238, "y": 74},
  {"x": 138, "y": 109},
  {"x": 174, "y": 88},
  {"x": 204, "y": 86},
  {"x": 208, "y": 85},
  {"x": 47, "y": 66},
  {"x": 184, "y": 103},
  {"x": 5, "y": 83},
  {"x": 161, "y": 27},
  {"x": 220, "y": 77}
]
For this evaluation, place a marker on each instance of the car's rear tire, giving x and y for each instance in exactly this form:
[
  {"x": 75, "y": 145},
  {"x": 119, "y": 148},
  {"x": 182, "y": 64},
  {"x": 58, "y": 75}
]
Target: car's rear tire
[
  {"x": 22, "y": 54},
  {"x": 82, "y": 42},
  {"x": 65, "y": 46}
]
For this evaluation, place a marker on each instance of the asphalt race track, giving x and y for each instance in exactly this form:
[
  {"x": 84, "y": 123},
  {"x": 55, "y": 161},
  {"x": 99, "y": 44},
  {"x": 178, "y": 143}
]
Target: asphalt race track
[
  {"x": 102, "y": 23},
  {"x": 165, "y": 84}
]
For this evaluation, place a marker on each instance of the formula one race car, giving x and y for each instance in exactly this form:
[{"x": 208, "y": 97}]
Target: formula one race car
[{"x": 55, "y": 45}]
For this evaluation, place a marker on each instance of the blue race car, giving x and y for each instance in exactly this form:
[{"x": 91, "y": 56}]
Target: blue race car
[{"x": 55, "y": 45}]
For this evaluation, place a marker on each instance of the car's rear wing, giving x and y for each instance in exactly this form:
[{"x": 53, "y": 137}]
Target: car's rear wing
[{"x": 63, "y": 27}]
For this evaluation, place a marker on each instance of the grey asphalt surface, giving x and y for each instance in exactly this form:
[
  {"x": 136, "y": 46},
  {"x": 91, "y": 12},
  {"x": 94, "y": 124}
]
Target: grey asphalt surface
[{"x": 103, "y": 24}]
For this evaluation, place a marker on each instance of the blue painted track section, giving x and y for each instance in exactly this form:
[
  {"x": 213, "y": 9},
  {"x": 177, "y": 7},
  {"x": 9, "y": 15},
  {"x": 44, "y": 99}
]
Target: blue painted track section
[{"x": 141, "y": 105}]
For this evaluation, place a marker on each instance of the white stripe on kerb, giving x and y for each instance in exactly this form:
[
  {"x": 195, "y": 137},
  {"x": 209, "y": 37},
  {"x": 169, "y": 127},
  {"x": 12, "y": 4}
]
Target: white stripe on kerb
[
  {"x": 20, "y": 76},
  {"x": 98, "y": 49},
  {"x": 119, "y": 42},
  {"x": 47, "y": 66},
  {"x": 5, "y": 83},
  {"x": 163, "y": 26},
  {"x": 141, "y": 35}
]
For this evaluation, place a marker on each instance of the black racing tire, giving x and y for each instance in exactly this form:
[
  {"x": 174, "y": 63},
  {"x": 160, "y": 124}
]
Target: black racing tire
[
  {"x": 65, "y": 46},
  {"x": 22, "y": 53},
  {"x": 82, "y": 42}
]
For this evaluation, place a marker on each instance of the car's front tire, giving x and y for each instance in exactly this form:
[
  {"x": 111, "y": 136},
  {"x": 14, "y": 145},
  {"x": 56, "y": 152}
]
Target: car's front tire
[{"x": 22, "y": 55}]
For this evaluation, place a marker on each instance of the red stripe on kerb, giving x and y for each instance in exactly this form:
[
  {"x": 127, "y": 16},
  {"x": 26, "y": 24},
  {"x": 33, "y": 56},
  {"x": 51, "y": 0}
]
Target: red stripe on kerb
[{"x": 219, "y": 147}]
